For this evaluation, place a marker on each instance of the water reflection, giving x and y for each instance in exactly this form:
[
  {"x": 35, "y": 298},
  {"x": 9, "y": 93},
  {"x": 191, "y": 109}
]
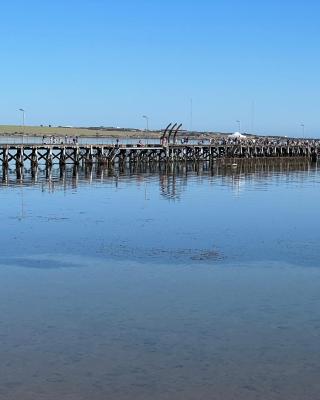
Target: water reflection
[{"x": 173, "y": 178}]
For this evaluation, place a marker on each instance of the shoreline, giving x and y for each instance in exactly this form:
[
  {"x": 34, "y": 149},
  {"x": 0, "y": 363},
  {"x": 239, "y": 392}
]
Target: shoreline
[
  {"x": 79, "y": 132},
  {"x": 39, "y": 131},
  {"x": 121, "y": 133}
]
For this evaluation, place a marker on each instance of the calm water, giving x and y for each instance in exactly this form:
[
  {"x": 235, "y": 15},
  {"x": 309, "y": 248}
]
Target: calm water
[{"x": 184, "y": 282}]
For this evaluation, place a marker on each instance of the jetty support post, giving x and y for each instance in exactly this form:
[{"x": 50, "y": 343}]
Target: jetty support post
[
  {"x": 34, "y": 157},
  {"x": 19, "y": 157},
  {"x": 49, "y": 157},
  {"x": 5, "y": 157},
  {"x": 63, "y": 157}
]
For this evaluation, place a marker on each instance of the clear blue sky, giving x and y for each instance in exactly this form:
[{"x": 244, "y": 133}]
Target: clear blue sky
[{"x": 100, "y": 62}]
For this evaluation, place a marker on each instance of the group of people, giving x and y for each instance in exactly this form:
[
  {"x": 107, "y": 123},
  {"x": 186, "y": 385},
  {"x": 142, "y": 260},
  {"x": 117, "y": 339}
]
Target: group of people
[
  {"x": 60, "y": 140},
  {"x": 164, "y": 141},
  {"x": 263, "y": 141},
  {"x": 213, "y": 141}
]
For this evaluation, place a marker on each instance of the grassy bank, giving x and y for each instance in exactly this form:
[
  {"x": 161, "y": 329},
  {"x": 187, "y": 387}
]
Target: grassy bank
[
  {"x": 14, "y": 130},
  {"x": 18, "y": 130}
]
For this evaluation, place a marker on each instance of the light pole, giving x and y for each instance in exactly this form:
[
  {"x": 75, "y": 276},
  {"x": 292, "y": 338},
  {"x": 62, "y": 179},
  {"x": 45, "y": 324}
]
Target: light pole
[
  {"x": 191, "y": 115},
  {"x": 147, "y": 119},
  {"x": 303, "y": 129},
  {"x": 239, "y": 125},
  {"x": 23, "y": 120}
]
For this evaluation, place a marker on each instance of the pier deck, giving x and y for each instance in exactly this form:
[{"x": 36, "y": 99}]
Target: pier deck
[{"x": 132, "y": 153}]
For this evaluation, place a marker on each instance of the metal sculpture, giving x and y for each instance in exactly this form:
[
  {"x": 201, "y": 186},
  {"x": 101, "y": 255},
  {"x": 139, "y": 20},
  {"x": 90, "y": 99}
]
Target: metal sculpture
[
  {"x": 171, "y": 131},
  {"x": 165, "y": 131},
  {"x": 175, "y": 133}
]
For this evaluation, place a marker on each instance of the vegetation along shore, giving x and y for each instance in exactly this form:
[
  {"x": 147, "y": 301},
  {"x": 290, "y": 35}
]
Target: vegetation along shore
[{"x": 103, "y": 132}]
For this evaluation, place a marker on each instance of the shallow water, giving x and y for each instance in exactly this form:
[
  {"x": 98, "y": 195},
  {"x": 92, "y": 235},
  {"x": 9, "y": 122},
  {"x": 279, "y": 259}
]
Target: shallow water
[{"x": 185, "y": 282}]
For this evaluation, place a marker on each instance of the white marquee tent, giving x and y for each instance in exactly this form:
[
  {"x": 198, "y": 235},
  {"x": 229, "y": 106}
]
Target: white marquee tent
[{"x": 237, "y": 135}]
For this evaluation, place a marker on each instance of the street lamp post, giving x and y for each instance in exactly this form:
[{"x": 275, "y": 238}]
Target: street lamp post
[
  {"x": 239, "y": 125},
  {"x": 303, "y": 129},
  {"x": 23, "y": 120},
  {"x": 147, "y": 120}
]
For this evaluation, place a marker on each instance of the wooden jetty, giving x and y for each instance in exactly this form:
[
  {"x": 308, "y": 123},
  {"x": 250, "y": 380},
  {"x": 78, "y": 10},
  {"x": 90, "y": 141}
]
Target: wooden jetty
[{"x": 111, "y": 154}]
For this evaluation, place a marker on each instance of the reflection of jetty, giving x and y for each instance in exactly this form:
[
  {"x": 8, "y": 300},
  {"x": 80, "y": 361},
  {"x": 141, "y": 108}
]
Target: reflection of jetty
[
  {"x": 172, "y": 177},
  {"x": 136, "y": 153}
]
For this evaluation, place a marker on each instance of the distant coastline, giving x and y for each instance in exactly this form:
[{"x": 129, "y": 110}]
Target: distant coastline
[
  {"x": 103, "y": 132},
  {"x": 115, "y": 133}
]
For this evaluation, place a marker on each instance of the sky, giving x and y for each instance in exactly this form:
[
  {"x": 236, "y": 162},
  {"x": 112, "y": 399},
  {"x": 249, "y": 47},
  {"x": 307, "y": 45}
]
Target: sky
[{"x": 204, "y": 63}]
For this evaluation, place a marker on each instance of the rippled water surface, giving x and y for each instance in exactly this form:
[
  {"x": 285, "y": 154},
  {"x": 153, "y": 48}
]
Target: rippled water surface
[{"x": 170, "y": 282}]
